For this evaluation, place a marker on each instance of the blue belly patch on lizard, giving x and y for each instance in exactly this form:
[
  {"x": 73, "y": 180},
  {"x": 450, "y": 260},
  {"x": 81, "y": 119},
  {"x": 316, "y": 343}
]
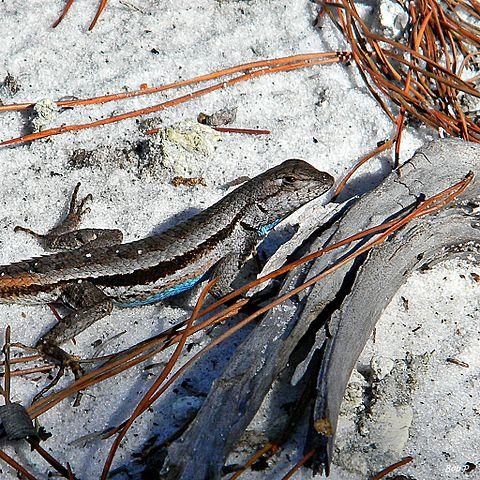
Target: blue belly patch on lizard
[
  {"x": 266, "y": 228},
  {"x": 182, "y": 287},
  {"x": 163, "y": 294}
]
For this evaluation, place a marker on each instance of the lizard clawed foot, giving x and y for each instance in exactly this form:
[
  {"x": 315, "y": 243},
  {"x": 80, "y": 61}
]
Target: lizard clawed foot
[
  {"x": 64, "y": 360},
  {"x": 70, "y": 223},
  {"x": 67, "y": 236},
  {"x": 57, "y": 236},
  {"x": 77, "y": 209}
]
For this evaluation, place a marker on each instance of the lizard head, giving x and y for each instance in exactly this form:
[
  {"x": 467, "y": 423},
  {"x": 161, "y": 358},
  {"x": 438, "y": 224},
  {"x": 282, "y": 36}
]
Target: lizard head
[{"x": 286, "y": 187}]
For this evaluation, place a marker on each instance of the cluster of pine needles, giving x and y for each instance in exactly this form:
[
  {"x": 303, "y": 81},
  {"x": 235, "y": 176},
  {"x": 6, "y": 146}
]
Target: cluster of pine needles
[{"x": 423, "y": 77}]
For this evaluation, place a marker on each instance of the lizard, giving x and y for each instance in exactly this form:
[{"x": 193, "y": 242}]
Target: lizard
[{"x": 98, "y": 272}]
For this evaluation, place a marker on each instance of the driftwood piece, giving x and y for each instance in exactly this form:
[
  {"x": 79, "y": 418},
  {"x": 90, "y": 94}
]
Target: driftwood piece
[
  {"x": 433, "y": 168},
  {"x": 453, "y": 232},
  {"x": 237, "y": 394}
]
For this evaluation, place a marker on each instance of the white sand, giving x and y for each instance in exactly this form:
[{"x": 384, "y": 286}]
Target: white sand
[{"x": 322, "y": 114}]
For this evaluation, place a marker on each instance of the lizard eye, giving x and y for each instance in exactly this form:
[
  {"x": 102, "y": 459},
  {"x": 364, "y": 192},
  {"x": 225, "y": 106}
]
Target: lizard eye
[{"x": 289, "y": 179}]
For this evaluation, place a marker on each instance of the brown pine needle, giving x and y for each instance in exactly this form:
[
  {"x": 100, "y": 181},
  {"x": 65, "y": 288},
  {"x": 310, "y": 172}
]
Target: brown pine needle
[
  {"x": 64, "y": 12},
  {"x": 418, "y": 77},
  {"x": 100, "y": 9},
  {"x": 299, "y": 465},
  {"x": 384, "y": 146},
  {"x": 391, "y": 468},
  {"x": 16, "y": 466},
  {"x": 260, "y": 64},
  {"x": 267, "y": 448},
  {"x": 171, "y": 103},
  {"x": 52, "y": 461},
  {"x": 29, "y": 371},
  {"x": 69, "y": 3},
  {"x": 29, "y": 358},
  {"x": 247, "y": 131},
  {"x": 6, "y": 352}
]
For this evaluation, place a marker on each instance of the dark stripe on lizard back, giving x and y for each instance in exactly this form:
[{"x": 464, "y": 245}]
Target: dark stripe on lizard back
[
  {"x": 136, "y": 277},
  {"x": 14, "y": 292},
  {"x": 168, "y": 267}
]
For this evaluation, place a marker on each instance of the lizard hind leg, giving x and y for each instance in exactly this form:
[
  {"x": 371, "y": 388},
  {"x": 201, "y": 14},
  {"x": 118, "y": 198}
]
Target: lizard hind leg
[
  {"x": 90, "y": 304},
  {"x": 66, "y": 234}
]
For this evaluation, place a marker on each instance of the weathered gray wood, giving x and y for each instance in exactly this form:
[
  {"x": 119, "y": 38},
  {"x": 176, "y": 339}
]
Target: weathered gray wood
[
  {"x": 236, "y": 396},
  {"x": 433, "y": 168},
  {"x": 449, "y": 233}
]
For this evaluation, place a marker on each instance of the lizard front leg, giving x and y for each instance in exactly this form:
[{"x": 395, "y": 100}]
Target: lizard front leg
[
  {"x": 67, "y": 236},
  {"x": 90, "y": 304},
  {"x": 227, "y": 269}
]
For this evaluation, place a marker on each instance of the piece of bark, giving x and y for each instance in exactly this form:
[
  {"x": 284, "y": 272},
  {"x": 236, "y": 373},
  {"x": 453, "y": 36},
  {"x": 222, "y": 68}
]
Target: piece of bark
[
  {"x": 433, "y": 168},
  {"x": 238, "y": 393},
  {"x": 452, "y": 232},
  {"x": 236, "y": 396}
]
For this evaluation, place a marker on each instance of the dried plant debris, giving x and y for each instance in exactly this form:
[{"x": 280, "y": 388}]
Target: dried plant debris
[
  {"x": 188, "y": 182},
  {"x": 10, "y": 85},
  {"x": 456, "y": 361},
  {"x": 400, "y": 477},
  {"x": 183, "y": 149},
  {"x": 180, "y": 150},
  {"x": 225, "y": 116},
  {"x": 43, "y": 113},
  {"x": 418, "y": 60},
  {"x": 343, "y": 300}
]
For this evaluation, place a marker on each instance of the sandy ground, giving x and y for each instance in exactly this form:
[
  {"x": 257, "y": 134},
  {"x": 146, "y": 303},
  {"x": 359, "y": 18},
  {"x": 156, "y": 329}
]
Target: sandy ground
[{"x": 321, "y": 114}]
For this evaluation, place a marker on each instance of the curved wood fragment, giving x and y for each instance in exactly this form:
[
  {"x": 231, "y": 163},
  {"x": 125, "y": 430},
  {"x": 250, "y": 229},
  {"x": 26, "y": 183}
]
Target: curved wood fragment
[
  {"x": 451, "y": 232},
  {"x": 433, "y": 168},
  {"x": 236, "y": 396}
]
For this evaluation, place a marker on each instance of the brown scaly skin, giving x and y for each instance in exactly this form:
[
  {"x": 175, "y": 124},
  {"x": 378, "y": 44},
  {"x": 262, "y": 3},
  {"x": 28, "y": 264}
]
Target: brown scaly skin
[{"x": 100, "y": 272}]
